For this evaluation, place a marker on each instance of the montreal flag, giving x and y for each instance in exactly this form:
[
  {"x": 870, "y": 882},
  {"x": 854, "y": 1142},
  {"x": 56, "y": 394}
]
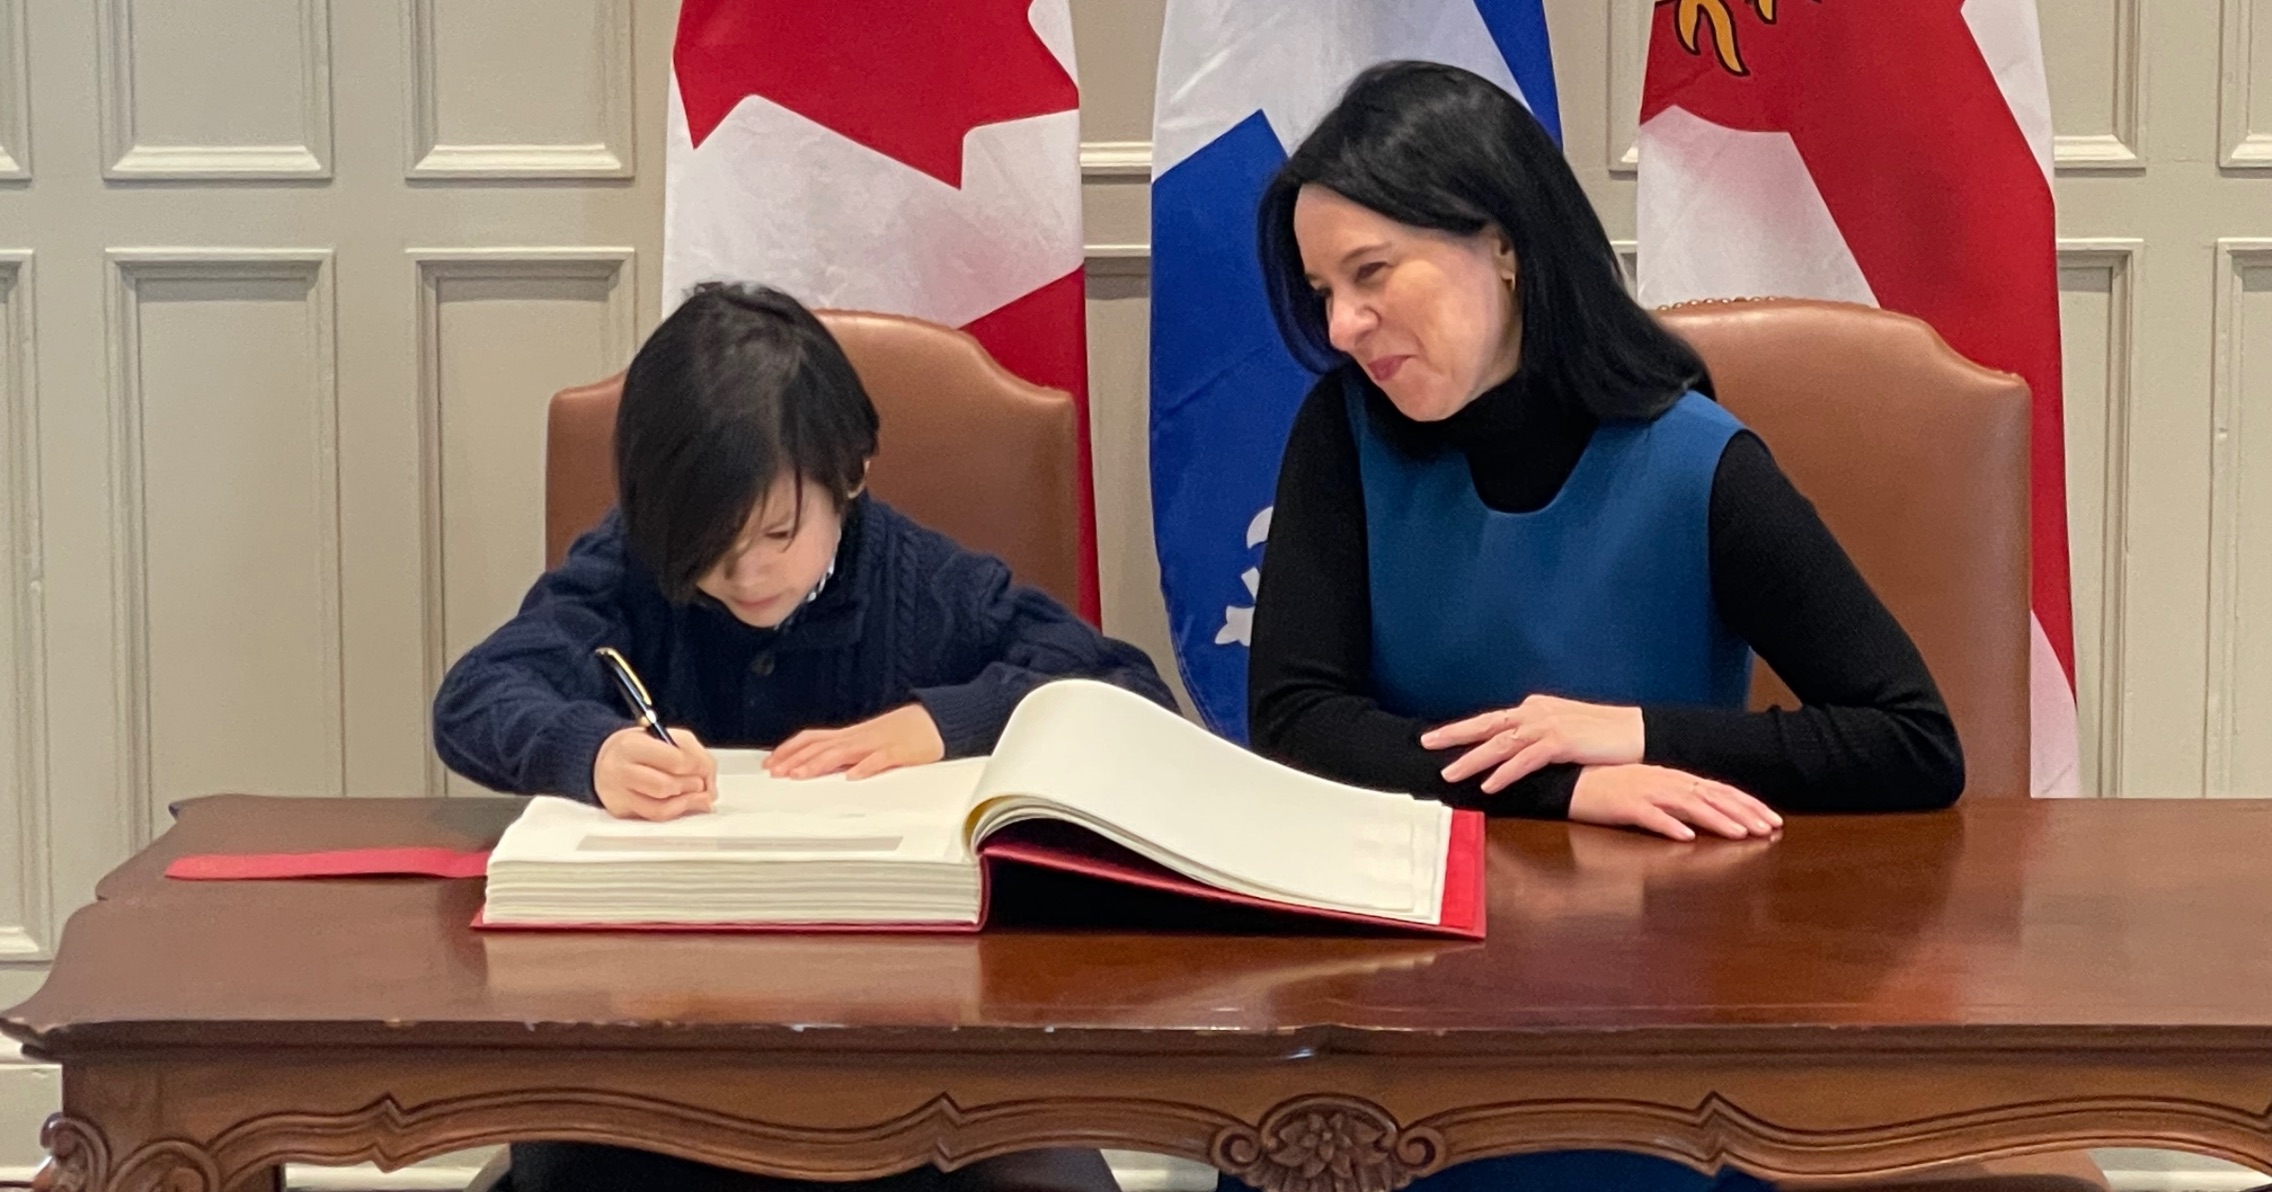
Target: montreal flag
[
  {"x": 1893, "y": 155},
  {"x": 1241, "y": 82}
]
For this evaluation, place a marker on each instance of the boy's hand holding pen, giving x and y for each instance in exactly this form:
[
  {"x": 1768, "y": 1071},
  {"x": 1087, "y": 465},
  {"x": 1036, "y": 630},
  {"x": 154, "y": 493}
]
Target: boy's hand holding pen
[{"x": 649, "y": 772}]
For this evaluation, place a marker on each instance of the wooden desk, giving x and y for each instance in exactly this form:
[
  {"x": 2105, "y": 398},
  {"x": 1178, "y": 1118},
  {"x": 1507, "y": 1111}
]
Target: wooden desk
[{"x": 1865, "y": 996}]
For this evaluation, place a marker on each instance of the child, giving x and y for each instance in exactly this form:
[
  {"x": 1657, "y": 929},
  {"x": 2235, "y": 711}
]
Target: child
[{"x": 765, "y": 601}]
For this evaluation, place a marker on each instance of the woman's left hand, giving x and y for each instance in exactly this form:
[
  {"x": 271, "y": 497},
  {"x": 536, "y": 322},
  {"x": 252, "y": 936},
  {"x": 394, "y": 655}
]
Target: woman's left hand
[{"x": 1540, "y": 731}]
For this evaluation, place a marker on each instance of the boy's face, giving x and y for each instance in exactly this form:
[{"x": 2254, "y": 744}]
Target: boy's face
[{"x": 779, "y": 555}]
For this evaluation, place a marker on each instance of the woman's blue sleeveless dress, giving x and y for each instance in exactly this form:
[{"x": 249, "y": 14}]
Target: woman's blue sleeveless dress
[{"x": 1603, "y": 594}]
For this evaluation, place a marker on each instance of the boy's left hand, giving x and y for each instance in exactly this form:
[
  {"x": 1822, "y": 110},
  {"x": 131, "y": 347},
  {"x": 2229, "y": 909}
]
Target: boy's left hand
[{"x": 901, "y": 737}]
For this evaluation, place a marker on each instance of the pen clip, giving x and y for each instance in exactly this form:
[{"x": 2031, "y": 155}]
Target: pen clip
[
  {"x": 624, "y": 675},
  {"x": 634, "y": 692}
]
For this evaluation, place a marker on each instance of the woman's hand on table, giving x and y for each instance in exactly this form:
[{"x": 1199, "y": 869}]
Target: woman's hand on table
[
  {"x": 1668, "y": 802},
  {"x": 1541, "y": 731},
  {"x": 1614, "y": 788}
]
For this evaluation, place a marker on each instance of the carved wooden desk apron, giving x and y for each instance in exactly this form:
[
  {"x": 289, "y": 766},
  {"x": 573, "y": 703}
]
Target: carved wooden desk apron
[{"x": 1863, "y": 996}]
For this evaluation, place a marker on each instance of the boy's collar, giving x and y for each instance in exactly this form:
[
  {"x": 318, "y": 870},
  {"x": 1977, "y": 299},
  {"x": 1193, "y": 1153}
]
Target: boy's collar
[
  {"x": 827, "y": 573},
  {"x": 830, "y": 613}
]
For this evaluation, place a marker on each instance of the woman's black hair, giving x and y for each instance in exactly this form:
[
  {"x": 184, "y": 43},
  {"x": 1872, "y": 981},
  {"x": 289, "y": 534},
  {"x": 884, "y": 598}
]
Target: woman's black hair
[
  {"x": 739, "y": 385},
  {"x": 1434, "y": 146}
]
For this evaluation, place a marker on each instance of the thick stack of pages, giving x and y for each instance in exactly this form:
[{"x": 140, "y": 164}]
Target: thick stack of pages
[
  {"x": 1103, "y": 782},
  {"x": 885, "y": 849}
]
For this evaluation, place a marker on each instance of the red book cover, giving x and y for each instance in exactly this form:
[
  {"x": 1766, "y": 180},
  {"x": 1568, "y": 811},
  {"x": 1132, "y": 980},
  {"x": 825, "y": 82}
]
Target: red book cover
[{"x": 1056, "y": 848}]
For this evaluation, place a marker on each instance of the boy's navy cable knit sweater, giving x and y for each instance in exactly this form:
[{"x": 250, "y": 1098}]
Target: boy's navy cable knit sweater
[{"x": 907, "y": 615}]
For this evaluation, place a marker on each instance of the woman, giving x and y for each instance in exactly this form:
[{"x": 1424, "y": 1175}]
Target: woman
[{"x": 1519, "y": 558}]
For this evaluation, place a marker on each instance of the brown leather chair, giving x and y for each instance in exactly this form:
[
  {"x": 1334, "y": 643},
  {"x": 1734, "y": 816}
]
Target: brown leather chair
[
  {"x": 967, "y": 449},
  {"x": 1918, "y": 461}
]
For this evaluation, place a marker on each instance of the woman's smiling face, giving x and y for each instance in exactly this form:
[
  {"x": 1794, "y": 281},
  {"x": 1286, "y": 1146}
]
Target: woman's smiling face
[{"x": 1430, "y": 316}]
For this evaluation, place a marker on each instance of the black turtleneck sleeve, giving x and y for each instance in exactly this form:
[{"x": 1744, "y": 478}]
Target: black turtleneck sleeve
[{"x": 1871, "y": 734}]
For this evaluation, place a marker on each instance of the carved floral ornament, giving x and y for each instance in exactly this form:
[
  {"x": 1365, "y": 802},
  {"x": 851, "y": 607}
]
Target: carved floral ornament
[{"x": 1327, "y": 1144}]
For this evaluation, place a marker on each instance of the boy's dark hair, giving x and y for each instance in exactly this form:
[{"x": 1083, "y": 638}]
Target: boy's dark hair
[
  {"x": 1434, "y": 146},
  {"x": 739, "y": 385}
]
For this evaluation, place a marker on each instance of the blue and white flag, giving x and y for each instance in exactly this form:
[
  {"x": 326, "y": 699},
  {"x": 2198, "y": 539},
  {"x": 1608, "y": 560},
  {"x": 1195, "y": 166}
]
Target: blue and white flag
[{"x": 1241, "y": 82}]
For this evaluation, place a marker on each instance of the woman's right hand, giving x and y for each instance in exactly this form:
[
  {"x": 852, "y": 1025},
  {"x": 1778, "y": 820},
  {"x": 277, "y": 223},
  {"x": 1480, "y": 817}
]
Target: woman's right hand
[
  {"x": 1668, "y": 802},
  {"x": 639, "y": 777}
]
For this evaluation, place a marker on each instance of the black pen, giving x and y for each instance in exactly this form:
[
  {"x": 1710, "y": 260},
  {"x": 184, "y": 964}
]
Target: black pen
[{"x": 634, "y": 694}]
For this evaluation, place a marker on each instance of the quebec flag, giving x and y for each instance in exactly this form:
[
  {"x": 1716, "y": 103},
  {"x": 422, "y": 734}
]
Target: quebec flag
[{"x": 1241, "y": 82}]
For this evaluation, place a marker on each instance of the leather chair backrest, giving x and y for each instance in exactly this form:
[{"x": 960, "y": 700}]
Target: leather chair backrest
[
  {"x": 1917, "y": 460},
  {"x": 966, "y": 448}
]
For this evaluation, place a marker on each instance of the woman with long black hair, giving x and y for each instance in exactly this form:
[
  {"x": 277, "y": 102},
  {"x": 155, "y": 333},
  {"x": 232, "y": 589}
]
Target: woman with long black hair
[{"x": 1520, "y": 558}]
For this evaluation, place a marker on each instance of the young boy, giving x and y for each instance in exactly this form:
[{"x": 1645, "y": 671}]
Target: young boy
[{"x": 765, "y": 601}]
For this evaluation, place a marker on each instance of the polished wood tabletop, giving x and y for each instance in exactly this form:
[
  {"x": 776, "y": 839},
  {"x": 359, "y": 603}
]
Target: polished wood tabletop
[
  {"x": 2004, "y": 916},
  {"x": 2120, "y": 951}
]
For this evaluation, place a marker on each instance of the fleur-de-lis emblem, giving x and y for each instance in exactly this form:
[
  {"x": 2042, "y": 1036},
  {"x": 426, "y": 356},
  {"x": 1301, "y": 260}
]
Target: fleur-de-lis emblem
[
  {"x": 1692, "y": 17},
  {"x": 1238, "y": 619}
]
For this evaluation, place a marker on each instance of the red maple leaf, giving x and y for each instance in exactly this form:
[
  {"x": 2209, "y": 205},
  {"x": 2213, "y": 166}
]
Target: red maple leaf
[{"x": 906, "y": 80}]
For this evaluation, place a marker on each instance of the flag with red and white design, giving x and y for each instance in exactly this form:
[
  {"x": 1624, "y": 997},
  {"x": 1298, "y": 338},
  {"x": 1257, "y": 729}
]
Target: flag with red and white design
[
  {"x": 1894, "y": 155},
  {"x": 916, "y": 159}
]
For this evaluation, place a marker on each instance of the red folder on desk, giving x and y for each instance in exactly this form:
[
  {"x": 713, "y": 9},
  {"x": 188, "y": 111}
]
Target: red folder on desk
[{"x": 350, "y": 862}]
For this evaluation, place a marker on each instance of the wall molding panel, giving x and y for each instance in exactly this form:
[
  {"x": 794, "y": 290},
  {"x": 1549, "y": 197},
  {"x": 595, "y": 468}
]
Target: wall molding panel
[
  {"x": 2116, "y": 259},
  {"x": 433, "y": 157},
  {"x": 130, "y": 271},
  {"x": 535, "y": 265},
  {"x": 1117, "y": 260},
  {"x": 1628, "y": 63},
  {"x": 2237, "y": 259},
  {"x": 1116, "y": 159},
  {"x": 1629, "y": 259},
  {"x": 29, "y": 1091},
  {"x": 2243, "y": 83},
  {"x": 2120, "y": 148},
  {"x": 32, "y": 936},
  {"x": 15, "y": 93},
  {"x": 1115, "y": 163},
  {"x": 127, "y": 158}
]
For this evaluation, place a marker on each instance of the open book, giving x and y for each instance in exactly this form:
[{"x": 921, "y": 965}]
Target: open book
[{"x": 1087, "y": 779}]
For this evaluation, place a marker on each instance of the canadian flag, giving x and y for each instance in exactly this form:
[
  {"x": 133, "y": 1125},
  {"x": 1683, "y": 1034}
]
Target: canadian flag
[
  {"x": 919, "y": 159},
  {"x": 1896, "y": 155}
]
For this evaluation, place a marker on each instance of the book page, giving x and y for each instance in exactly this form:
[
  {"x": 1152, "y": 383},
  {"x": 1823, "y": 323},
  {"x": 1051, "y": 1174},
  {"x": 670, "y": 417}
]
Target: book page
[
  {"x": 913, "y": 814},
  {"x": 1153, "y": 782}
]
